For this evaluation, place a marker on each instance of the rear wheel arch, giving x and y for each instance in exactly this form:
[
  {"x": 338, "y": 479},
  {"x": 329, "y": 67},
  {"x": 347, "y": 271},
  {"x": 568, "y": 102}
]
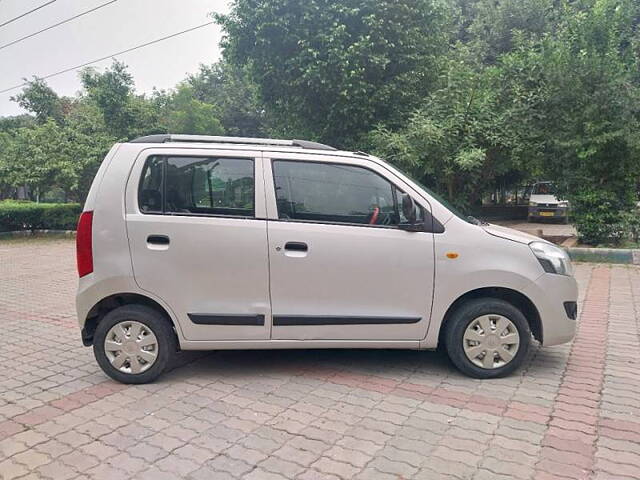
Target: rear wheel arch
[
  {"x": 110, "y": 303},
  {"x": 515, "y": 298}
]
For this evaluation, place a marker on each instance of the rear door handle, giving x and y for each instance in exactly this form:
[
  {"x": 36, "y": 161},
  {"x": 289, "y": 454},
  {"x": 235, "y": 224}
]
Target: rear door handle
[
  {"x": 296, "y": 246},
  {"x": 158, "y": 240}
]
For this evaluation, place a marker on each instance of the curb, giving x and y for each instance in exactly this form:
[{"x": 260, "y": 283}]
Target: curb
[
  {"x": 605, "y": 255},
  {"x": 30, "y": 233}
]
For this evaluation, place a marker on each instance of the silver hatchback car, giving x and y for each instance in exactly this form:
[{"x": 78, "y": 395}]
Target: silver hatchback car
[{"x": 194, "y": 243}]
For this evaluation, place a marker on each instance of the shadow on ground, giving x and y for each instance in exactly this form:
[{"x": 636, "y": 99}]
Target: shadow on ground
[
  {"x": 385, "y": 363},
  {"x": 281, "y": 362}
]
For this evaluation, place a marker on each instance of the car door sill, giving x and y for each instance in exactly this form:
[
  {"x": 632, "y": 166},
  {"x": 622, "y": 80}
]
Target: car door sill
[{"x": 295, "y": 344}]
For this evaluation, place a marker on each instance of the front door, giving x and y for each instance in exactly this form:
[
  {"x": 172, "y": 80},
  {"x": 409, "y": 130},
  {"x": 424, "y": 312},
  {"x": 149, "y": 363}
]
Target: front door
[
  {"x": 197, "y": 243},
  {"x": 340, "y": 268}
]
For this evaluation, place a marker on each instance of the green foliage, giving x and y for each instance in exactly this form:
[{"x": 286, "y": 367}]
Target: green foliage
[
  {"x": 584, "y": 110},
  {"x": 332, "y": 70},
  {"x": 50, "y": 155},
  {"x": 187, "y": 114},
  {"x": 112, "y": 93},
  {"x": 631, "y": 224},
  {"x": 63, "y": 153},
  {"x": 493, "y": 28},
  {"x": 230, "y": 89},
  {"x": 40, "y": 99},
  {"x": 598, "y": 216},
  {"x": 460, "y": 139},
  {"x": 16, "y": 216},
  {"x": 552, "y": 92},
  {"x": 8, "y": 124}
]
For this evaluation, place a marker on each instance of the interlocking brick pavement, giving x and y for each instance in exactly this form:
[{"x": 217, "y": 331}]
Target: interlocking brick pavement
[{"x": 573, "y": 411}]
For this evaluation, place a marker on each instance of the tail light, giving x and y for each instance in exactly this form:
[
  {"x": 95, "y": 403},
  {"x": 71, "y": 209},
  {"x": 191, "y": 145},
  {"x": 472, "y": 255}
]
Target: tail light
[{"x": 84, "y": 248}]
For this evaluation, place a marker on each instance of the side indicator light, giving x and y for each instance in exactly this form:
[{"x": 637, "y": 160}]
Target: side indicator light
[{"x": 452, "y": 255}]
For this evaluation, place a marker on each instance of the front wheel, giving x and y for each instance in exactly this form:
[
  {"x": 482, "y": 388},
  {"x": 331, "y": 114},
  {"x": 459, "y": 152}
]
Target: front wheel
[
  {"x": 133, "y": 344},
  {"x": 487, "y": 338}
]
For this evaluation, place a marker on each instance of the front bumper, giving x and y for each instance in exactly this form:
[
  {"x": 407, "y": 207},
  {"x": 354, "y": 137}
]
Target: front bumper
[
  {"x": 548, "y": 212},
  {"x": 549, "y": 293}
]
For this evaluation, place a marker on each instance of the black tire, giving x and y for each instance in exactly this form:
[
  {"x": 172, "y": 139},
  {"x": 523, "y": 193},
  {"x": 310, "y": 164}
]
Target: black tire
[
  {"x": 156, "y": 322},
  {"x": 468, "y": 312}
]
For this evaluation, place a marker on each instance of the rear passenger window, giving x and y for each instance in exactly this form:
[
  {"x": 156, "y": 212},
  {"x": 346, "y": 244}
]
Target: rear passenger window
[
  {"x": 203, "y": 186},
  {"x": 334, "y": 193},
  {"x": 150, "y": 193}
]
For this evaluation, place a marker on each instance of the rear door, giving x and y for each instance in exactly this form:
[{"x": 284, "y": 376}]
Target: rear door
[
  {"x": 340, "y": 267},
  {"x": 198, "y": 239}
]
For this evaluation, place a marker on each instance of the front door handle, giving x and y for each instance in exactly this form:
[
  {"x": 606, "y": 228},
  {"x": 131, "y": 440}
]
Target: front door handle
[
  {"x": 158, "y": 240},
  {"x": 296, "y": 246}
]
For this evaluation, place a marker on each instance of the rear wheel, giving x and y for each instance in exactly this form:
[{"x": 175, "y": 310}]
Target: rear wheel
[
  {"x": 487, "y": 338},
  {"x": 133, "y": 344}
]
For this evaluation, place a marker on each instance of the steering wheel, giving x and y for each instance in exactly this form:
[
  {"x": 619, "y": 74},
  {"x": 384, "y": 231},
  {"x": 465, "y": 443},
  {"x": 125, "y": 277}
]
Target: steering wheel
[{"x": 374, "y": 216}]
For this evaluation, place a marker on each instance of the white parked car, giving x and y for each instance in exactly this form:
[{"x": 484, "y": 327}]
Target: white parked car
[
  {"x": 195, "y": 243},
  {"x": 543, "y": 203}
]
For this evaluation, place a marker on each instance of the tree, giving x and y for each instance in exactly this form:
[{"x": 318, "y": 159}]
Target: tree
[
  {"x": 458, "y": 141},
  {"x": 91, "y": 142},
  {"x": 125, "y": 114},
  {"x": 5, "y": 149},
  {"x": 7, "y": 124},
  {"x": 493, "y": 28},
  {"x": 234, "y": 95},
  {"x": 48, "y": 156},
  {"x": 332, "y": 70},
  {"x": 549, "y": 92},
  {"x": 583, "y": 94},
  {"x": 26, "y": 158},
  {"x": 187, "y": 114},
  {"x": 40, "y": 99}
]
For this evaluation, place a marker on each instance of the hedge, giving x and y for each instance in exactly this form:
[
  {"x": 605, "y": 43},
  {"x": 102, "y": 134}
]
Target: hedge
[{"x": 16, "y": 216}]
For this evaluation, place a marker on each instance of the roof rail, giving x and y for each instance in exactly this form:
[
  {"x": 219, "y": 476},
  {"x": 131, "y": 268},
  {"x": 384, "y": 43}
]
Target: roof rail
[{"x": 169, "y": 138}]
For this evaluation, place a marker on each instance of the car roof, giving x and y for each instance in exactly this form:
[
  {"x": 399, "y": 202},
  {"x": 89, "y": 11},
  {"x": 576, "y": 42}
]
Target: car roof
[{"x": 245, "y": 143}]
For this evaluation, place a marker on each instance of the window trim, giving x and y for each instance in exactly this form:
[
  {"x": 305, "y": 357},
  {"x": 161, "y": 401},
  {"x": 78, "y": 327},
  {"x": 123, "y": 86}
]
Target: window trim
[
  {"x": 164, "y": 212},
  {"x": 143, "y": 172},
  {"x": 345, "y": 224}
]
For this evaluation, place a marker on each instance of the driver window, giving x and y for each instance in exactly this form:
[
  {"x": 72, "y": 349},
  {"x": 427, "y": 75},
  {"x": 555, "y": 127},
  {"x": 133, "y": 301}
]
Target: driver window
[{"x": 334, "y": 193}]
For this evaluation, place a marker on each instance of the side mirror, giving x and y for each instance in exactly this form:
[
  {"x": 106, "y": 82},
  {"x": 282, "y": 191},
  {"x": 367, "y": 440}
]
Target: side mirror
[{"x": 409, "y": 209}]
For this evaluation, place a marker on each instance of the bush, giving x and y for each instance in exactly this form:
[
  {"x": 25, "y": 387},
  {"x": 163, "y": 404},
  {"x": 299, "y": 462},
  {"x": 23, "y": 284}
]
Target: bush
[
  {"x": 38, "y": 216},
  {"x": 603, "y": 217},
  {"x": 631, "y": 225}
]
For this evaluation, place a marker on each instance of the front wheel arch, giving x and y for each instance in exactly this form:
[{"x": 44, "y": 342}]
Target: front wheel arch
[{"x": 515, "y": 298}]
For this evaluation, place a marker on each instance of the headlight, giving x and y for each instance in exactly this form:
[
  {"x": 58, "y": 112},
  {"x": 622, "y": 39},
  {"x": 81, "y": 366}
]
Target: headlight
[
  {"x": 553, "y": 259},
  {"x": 563, "y": 204},
  {"x": 533, "y": 204}
]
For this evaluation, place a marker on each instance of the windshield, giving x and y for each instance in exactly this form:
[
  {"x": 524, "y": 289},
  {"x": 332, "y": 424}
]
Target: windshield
[
  {"x": 546, "y": 188},
  {"x": 445, "y": 203}
]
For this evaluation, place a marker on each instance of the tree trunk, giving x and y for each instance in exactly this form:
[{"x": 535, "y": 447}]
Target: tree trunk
[{"x": 450, "y": 187}]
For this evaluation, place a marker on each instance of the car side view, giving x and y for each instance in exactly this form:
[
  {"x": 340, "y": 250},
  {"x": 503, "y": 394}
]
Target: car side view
[{"x": 199, "y": 243}]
